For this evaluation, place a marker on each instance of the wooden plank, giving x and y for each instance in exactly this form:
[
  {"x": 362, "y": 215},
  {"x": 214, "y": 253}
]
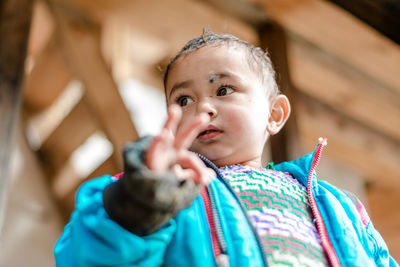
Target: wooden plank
[
  {"x": 65, "y": 181},
  {"x": 68, "y": 181},
  {"x": 68, "y": 136},
  {"x": 49, "y": 77},
  {"x": 385, "y": 214},
  {"x": 15, "y": 19},
  {"x": 365, "y": 152},
  {"x": 107, "y": 167},
  {"x": 86, "y": 60},
  {"x": 345, "y": 89},
  {"x": 383, "y": 15},
  {"x": 342, "y": 35}
]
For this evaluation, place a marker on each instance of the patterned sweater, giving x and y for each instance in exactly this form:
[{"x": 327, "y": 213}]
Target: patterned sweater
[{"x": 279, "y": 208}]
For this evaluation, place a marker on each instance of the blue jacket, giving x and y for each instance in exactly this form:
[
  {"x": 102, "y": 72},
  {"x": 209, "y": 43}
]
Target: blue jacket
[{"x": 91, "y": 238}]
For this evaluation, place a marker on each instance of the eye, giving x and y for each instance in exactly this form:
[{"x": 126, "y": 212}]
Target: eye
[
  {"x": 225, "y": 90},
  {"x": 184, "y": 100}
]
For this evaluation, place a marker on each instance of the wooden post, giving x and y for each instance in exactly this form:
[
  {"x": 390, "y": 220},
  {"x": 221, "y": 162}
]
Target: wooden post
[
  {"x": 15, "y": 18},
  {"x": 79, "y": 37},
  {"x": 272, "y": 38}
]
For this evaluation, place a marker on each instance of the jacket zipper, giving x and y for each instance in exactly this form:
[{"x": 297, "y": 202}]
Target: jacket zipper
[
  {"x": 326, "y": 243},
  {"x": 214, "y": 236},
  {"x": 213, "y": 209}
]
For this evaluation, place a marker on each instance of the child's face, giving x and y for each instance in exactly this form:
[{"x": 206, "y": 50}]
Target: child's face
[{"x": 219, "y": 82}]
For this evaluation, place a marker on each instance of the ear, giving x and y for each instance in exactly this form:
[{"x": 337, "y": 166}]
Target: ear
[{"x": 279, "y": 113}]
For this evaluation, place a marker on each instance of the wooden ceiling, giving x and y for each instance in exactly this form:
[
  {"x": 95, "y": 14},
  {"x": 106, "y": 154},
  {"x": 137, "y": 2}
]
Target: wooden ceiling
[{"x": 345, "y": 76}]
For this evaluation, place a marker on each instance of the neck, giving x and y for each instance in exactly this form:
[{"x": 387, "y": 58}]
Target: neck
[{"x": 254, "y": 163}]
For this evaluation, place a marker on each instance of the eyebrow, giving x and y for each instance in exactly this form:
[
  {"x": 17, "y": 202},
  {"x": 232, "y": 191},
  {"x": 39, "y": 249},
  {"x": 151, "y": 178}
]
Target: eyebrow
[
  {"x": 216, "y": 76},
  {"x": 180, "y": 85},
  {"x": 187, "y": 83}
]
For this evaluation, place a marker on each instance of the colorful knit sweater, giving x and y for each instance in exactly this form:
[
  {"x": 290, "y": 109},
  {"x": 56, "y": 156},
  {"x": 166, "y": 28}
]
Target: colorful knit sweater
[{"x": 280, "y": 211}]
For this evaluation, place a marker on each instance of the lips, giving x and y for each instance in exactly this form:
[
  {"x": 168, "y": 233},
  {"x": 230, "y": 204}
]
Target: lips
[{"x": 209, "y": 133}]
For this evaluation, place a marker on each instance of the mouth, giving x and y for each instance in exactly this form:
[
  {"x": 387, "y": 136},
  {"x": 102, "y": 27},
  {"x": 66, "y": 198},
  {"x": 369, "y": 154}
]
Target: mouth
[{"x": 209, "y": 133}]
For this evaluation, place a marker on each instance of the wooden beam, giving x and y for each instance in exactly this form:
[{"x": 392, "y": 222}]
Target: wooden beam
[
  {"x": 331, "y": 81},
  {"x": 68, "y": 136},
  {"x": 284, "y": 145},
  {"x": 174, "y": 27},
  {"x": 15, "y": 19},
  {"x": 80, "y": 40},
  {"x": 42, "y": 27},
  {"x": 383, "y": 15},
  {"x": 351, "y": 144},
  {"x": 49, "y": 77},
  {"x": 121, "y": 43},
  {"x": 342, "y": 35},
  {"x": 241, "y": 10},
  {"x": 152, "y": 34}
]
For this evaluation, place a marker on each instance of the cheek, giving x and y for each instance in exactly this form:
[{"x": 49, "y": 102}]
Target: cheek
[
  {"x": 237, "y": 117},
  {"x": 247, "y": 122},
  {"x": 237, "y": 120}
]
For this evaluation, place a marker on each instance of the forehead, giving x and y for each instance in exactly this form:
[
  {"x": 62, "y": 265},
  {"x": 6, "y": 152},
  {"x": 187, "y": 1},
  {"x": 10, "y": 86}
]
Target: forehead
[
  {"x": 214, "y": 53},
  {"x": 206, "y": 61}
]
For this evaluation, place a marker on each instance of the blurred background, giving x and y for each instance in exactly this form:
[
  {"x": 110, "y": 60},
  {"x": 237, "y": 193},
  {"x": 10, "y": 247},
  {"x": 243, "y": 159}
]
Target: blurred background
[{"x": 79, "y": 79}]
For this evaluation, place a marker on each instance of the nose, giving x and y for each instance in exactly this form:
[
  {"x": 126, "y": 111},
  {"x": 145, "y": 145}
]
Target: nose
[{"x": 208, "y": 107}]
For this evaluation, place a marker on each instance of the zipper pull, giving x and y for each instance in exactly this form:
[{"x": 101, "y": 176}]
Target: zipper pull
[
  {"x": 323, "y": 141},
  {"x": 222, "y": 260}
]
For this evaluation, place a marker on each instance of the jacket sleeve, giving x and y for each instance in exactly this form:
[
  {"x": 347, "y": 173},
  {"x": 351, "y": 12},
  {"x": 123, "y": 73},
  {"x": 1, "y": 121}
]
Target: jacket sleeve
[
  {"x": 377, "y": 244},
  {"x": 125, "y": 222},
  {"x": 381, "y": 251},
  {"x": 92, "y": 238},
  {"x": 142, "y": 201}
]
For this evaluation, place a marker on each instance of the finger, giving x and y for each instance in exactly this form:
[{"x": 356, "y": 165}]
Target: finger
[
  {"x": 183, "y": 174},
  {"x": 211, "y": 175},
  {"x": 152, "y": 152},
  {"x": 185, "y": 136},
  {"x": 157, "y": 156},
  {"x": 190, "y": 161},
  {"x": 178, "y": 171},
  {"x": 187, "y": 174},
  {"x": 208, "y": 177},
  {"x": 174, "y": 117}
]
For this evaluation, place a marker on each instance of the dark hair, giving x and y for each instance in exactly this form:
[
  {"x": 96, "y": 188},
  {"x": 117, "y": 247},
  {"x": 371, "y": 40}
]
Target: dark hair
[{"x": 257, "y": 58}]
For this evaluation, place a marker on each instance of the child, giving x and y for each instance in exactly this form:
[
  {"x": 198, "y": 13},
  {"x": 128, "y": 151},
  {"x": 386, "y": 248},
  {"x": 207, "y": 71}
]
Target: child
[{"x": 167, "y": 208}]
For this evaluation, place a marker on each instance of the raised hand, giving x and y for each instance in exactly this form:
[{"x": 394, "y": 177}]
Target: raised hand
[
  {"x": 169, "y": 150},
  {"x": 147, "y": 197}
]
